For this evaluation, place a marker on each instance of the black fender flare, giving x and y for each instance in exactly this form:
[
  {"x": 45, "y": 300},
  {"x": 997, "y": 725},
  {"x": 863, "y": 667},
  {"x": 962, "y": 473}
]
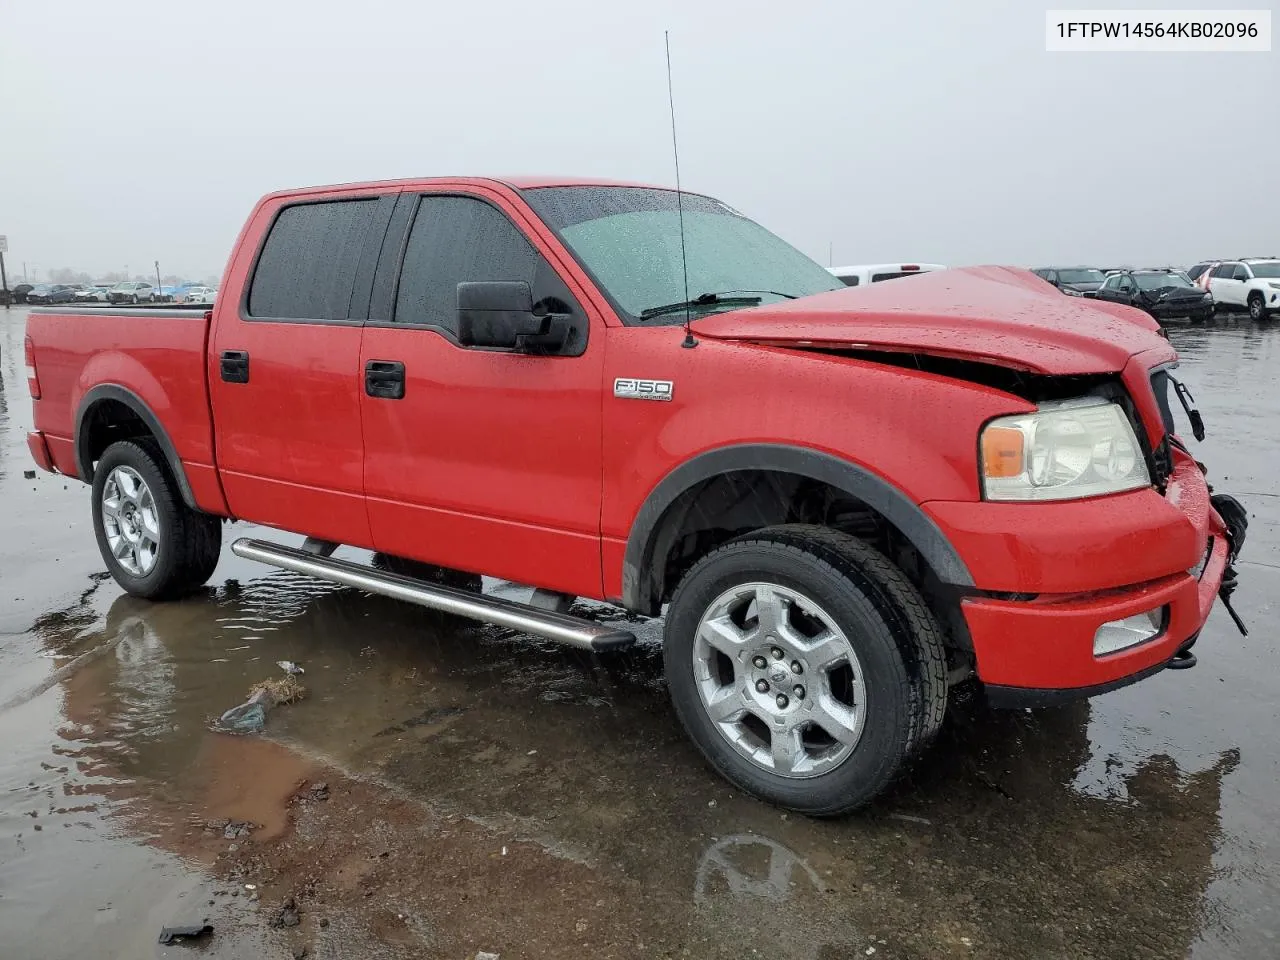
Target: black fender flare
[
  {"x": 112, "y": 391},
  {"x": 890, "y": 502}
]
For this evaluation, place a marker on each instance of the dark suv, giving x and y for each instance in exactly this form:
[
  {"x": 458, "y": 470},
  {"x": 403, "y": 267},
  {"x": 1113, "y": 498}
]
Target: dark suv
[
  {"x": 1162, "y": 293},
  {"x": 1073, "y": 281}
]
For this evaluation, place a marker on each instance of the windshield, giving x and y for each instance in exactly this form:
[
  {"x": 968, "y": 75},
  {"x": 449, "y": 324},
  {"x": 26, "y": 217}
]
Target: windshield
[
  {"x": 1159, "y": 281},
  {"x": 629, "y": 239},
  {"x": 1080, "y": 276},
  {"x": 1266, "y": 271},
  {"x": 123, "y": 286},
  {"x": 42, "y": 288}
]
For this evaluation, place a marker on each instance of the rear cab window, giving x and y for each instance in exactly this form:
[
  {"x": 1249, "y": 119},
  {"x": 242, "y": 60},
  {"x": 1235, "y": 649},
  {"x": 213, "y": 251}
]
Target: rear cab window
[{"x": 307, "y": 267}]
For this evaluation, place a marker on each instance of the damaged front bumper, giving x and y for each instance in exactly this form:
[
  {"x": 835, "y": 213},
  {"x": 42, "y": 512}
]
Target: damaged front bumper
[{"x": 1035, "y": 645}]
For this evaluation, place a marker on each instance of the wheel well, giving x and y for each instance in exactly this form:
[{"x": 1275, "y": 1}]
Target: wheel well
[
  {"x": 730, "y": 504},
  {"x": 105, "y": 423}
]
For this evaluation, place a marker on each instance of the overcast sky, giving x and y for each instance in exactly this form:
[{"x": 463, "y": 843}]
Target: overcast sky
[{"x": 145, "y": 129}]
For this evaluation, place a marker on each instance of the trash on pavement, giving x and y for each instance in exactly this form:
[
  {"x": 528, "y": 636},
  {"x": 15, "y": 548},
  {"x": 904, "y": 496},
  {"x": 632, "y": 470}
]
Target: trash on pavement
[
  {"x": 288, "y": 666},
  {"x": 251, "y": 716},
  {"x": 181, "y": 934}
]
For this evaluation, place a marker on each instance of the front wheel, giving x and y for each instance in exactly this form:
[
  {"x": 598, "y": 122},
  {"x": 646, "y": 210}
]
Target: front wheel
[
  {"x": 134, "y": 298},
  {"x": 1257, "y": 307},
  {"x": 805, "y": 666},
  {"x": 154, "y": 545}
]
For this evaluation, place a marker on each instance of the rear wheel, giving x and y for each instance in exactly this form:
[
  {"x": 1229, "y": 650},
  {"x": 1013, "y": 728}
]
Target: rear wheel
[
  {"x": 154, "y": 545},
  {"x": 1257, "y": 307},
  {"x": 805, "y": 666}
]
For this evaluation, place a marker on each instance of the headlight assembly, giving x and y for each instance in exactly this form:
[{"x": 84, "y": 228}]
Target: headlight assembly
[{"x": 1064, "y": 451}]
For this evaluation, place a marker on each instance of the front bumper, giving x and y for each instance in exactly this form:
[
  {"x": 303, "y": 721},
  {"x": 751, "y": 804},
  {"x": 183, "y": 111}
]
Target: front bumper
[
  {"x": 1175, "y": 551},
  {"x": 1196, "y": 309}
]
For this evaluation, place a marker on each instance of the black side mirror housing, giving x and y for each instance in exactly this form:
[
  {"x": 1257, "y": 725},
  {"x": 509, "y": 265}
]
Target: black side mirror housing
[{"x": 501, "y": 314}]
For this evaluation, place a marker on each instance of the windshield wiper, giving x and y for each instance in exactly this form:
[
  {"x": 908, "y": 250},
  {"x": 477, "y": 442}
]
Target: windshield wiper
[{"x": 702, "y": 300}]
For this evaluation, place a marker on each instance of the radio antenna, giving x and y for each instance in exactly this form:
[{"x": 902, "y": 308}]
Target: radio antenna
[{"x": 675, "y": 152}]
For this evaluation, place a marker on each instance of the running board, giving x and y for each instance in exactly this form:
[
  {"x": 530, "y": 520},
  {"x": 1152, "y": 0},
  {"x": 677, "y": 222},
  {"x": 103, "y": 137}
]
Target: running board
[{"x": 584, "y": 634}]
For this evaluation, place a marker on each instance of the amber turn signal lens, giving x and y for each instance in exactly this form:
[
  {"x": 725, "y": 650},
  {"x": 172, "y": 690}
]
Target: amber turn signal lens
[{"x": 1002, "y": 452}]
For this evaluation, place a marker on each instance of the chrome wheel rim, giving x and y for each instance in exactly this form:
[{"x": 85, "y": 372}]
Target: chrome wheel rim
[
  {"x": 130, "y": 521},
  {"x": 779, "y": 680},
  {"x": 1255, "y": 309}
]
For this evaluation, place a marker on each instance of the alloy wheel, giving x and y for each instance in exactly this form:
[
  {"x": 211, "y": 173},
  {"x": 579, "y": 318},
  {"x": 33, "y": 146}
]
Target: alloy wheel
[{"x": 779, "y": 679}]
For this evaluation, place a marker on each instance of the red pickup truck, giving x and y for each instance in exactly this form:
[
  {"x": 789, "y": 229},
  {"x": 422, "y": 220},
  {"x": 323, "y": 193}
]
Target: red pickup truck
[{"x": 843, "y": 500}]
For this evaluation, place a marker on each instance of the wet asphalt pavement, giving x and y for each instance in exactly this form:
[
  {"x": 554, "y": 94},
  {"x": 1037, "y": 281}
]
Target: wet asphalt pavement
[{"x": 483, "y": 791}]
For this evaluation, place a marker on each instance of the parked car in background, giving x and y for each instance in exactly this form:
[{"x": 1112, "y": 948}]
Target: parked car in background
[
  {"x": 20, "y": 291},
  {"x": 1164, "y": 294},
  {"x": 133, "y": 291},
  {"x": 50, "y": 293},
  {"x": 1250, "y": 284},
  {"x": 1073, "y": 281},
  {"x": 96, "y": 293},
  {"x": 168, "y": 294},
  {"x": 197, "y": 294},
  {"x": 1199, "y": 273},
  {"x": 861, "y": 275}
]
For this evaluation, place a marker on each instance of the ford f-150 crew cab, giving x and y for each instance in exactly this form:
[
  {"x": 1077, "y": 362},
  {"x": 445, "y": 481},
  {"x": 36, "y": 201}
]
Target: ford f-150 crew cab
[{"x": 843, "y": 500}]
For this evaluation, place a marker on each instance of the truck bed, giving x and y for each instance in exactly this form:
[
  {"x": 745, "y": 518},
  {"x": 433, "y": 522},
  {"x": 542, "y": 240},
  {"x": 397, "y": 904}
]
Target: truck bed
[{"x": 158, "y": 352}]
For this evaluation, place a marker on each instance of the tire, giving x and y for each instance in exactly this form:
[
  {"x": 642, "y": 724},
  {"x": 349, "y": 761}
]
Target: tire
[
  {"x": 896, "y": 667},
  {"x": 154, "y": 545},
  {"x": 1257, "y": 307},
  {"x": 134, "y": 299}
]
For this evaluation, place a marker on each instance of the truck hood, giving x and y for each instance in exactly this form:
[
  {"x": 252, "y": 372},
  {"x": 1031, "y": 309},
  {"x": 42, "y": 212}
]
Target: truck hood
[{"x": 998, "y": 315}]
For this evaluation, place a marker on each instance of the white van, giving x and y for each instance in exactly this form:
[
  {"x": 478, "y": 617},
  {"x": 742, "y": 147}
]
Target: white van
[{"x": 858, "y": 276}]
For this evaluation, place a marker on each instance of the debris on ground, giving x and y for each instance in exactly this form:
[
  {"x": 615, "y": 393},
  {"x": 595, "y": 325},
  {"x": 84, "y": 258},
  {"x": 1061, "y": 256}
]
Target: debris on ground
[
  {"x": 183, "y": 933},
  {"x": 236, "y": 829},
  {"x": 300, "y": 953},
  {"x": 485, "y": 955},
  {"x": 288, "y": 666},
  {"x": 251, "y": 716},
  {"x": 28, "y": 474},
  {"x": 287, "y": 915},
  {"x": 315, "y": 793}
]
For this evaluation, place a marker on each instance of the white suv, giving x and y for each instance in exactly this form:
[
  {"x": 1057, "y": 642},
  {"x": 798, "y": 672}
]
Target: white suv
[{"x": 1250, "y": 284}]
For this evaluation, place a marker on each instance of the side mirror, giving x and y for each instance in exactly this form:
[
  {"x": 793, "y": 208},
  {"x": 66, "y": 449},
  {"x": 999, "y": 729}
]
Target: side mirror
[{"x": 500, "y": 313}]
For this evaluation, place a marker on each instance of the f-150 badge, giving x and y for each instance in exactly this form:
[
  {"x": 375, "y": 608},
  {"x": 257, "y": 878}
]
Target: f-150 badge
[{"x": 629, "y": 388}]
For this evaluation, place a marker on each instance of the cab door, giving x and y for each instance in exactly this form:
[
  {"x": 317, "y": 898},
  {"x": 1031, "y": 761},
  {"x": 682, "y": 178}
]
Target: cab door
[
  {"x": 480, "y": 459},
  {"x": 1110, "y": 289},
  {"x": 284, "y": 367}
]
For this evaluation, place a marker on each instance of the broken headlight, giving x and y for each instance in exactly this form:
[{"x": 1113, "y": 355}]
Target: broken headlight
[{"x": 1063, "y": 451}]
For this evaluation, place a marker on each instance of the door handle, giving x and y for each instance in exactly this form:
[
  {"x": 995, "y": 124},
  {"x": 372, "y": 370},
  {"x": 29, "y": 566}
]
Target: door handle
[
  {"x": 235, "y": 366},
  {"x": 384, "y": 379}
]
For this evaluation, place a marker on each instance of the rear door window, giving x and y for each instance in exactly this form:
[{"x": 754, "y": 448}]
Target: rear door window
[
  {"x": 308, "y": 264},
  {"x": 1224, "y": 270}
]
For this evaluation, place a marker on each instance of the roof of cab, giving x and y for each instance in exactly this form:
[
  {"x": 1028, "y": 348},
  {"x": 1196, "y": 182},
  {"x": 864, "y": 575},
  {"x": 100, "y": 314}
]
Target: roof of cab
[{"x": 518, "y": 183}]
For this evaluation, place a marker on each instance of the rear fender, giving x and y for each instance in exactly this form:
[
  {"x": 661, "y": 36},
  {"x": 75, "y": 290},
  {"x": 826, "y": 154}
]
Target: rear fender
[{"x": 112, "y": 391}]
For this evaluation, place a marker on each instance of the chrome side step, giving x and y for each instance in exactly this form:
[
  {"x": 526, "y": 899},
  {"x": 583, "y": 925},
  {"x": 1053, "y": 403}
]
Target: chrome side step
[{"x": 584, "y": 634}]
